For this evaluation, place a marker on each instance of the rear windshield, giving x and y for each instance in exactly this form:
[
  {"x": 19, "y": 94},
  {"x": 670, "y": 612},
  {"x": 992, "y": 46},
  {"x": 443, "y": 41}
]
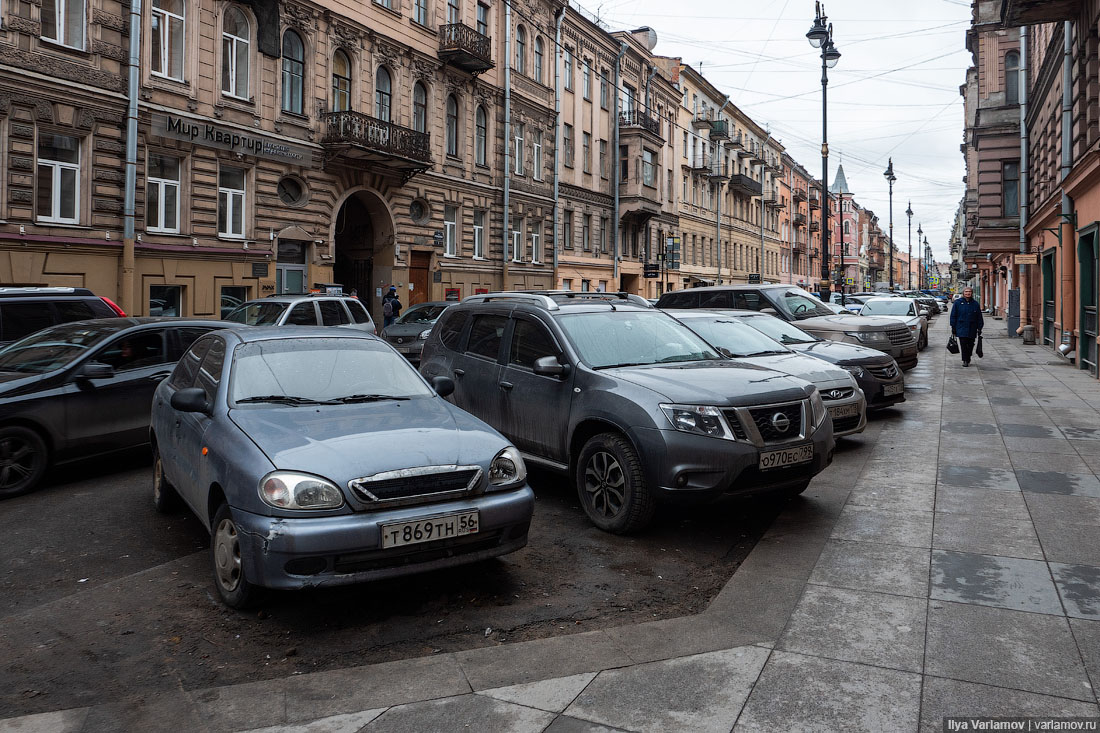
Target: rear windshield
[
  {"x": 257, "y": 314},
  {"x": 892, "y": 307},
  {"x": 54, "y": 348},
  {"x": 798, "y": 304}
]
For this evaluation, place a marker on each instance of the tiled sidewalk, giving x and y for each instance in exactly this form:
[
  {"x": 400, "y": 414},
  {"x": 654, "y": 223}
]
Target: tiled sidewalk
[{"x": 954, "y": 569}]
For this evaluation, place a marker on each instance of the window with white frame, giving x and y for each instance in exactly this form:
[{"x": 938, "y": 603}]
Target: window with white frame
[
  {"x": 420, "y": 107},
  {"x": 519, "y": 147},
  {"x": 483, "y": 19},
  {"x": 539, "y": 59},
  {"x": 479, "y": 235},
  {"x": 420, "y": 11},
  {"x": 603, "y": 88},
  {"x": 450, "y": 231},
  {"x": 536, "y": 242},
  {"x": 517, "y": 240},
  {"x": 586, "y": 151},
  {"x": 162, "y": 194},
  {"x": 521, "y": 50},
  {"x": 586, "y": 80},
  {"x": 235, "y": 44},
  {"x": 649, "y": 167},
  {"x": 294, "y": 72},
  {"x": 536, "y": 155},
  {"x": 63, "y": 21},
  {"x": 167, "y": 38},
  {"x": 567, "y": 56},
  {"x": 58, "y": 179},
  {"x": 231, "y": 191},
  {"x": 481, "y": 135},
  {"x": 341, "y": 82},
  {"x": 454, "y": 13}
]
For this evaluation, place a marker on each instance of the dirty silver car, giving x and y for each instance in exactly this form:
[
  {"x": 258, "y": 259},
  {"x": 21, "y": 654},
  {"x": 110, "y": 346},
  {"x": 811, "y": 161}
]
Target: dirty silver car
[{"x": 320, "y": 457}]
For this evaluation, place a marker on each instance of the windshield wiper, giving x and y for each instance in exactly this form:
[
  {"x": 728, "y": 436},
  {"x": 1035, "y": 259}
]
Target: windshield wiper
[
  {"x": 352, "y": 398},
  {"x": 624, "y": 364},
  {"x": 285, "y": 399},
  {"x": 762, "y": 353}
]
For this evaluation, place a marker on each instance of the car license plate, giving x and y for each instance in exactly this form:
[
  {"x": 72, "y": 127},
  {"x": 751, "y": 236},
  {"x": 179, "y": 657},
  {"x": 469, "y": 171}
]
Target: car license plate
[
  {"x": 843, "y": 411},
  {"x": 786, "y": 457},
  {"x": 404, "y": 349},
  {"x": 445, "y": 527},
  {"x": 892, "y": 389}
]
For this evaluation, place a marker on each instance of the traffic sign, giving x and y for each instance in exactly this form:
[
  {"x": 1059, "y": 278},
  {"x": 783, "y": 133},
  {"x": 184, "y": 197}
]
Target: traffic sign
[
  {"x": 849, "y": 281},
  {"x": 672, "y": 244}
]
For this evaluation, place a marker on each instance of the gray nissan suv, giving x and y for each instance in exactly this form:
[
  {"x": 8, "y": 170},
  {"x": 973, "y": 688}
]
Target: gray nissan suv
[{"x": 627, "y": 401}]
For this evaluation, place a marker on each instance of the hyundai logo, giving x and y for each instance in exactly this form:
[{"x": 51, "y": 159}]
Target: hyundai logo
[
  {"x": 835, "y": 394},
  {"x": 780, "y": 422},
  {"x": 400, "y": 340}
]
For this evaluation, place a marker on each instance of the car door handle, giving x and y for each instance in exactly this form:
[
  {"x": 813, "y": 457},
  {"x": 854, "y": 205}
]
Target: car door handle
[
  {"x": 459, "y": 372},
  {"x": 507, "y": 386}
]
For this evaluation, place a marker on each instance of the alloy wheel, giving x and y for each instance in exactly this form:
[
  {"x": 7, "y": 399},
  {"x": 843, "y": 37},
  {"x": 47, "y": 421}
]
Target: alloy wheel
[
  {"x": 227, "y": 555},
  {"x": 605, "y": 483},
  {"x": 17, "y": 462}
]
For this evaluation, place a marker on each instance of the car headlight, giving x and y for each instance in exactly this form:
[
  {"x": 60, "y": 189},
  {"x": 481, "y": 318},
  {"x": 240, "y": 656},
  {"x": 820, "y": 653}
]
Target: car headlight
[
  {"x": 424, "y": 334},
  {"x": 291, "y": 490},
  {"x": 697, "y": 419},
  {"x": 507, "y": 469},
  {"x": 868, "y": 337},
  {"x": 817, "y": 406},
  {"x": 855, "y": 371},
  {"x": 914, "y": 327}
]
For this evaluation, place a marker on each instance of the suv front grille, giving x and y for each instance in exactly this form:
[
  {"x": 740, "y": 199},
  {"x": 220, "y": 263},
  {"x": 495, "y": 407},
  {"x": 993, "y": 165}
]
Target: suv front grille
[
  {"x": 899, "y": 335},
  {"x": 415, "y": 485},
  {"x": 764, "y": 418},
  {"x": 837, "y": 394},
  {"x": 735, "y": 424},
  {"x": 887, "y": 371}
]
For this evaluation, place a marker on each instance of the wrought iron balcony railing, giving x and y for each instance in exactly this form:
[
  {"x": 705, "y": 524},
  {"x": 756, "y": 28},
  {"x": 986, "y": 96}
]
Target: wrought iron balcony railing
[
  {"x": 638, "y": 118},
  {"x": 376, "y": 136},
  {"x": 462, "y": 46}
]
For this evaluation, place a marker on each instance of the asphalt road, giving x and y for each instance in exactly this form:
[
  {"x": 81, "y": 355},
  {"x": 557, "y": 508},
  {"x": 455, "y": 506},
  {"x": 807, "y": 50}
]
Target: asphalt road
[{"x": 102, "y": 598}]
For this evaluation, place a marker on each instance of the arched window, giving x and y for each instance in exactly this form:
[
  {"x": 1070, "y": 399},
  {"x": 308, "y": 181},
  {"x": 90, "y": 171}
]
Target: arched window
[
  {"x": 481, "y": 137},
  {"x": 538, "y": 59},
  {"x": 383, "y": 94},
  {"x": 452, "y": 125},
  {"x": 341, "y": 82},
  {"x": 235, "y": 37},
  {"x": 420, "y": 107},
  {"x": 1012, "y": 78},
  {"x": 847, "y": 227},
  {"x": 294, "y": 71},
  {"x": 521, "y": 50}
]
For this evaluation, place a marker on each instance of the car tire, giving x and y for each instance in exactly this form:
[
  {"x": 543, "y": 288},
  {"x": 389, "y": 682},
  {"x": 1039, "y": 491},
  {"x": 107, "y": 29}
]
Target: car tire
[
  {"x": 225, "y": 559},
  {"x": 165, "y": 498},
  {"x": 611, "y": 485},
  {"x": 23, "y": 460}
]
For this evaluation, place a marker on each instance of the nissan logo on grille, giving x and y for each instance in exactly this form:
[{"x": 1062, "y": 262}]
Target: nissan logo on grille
[{"x": 780, "y": 422}]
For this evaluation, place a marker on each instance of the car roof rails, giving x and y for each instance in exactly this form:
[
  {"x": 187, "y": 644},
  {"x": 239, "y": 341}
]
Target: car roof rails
[
  {"x": 567, "y": 295},
  {"x": 533, "y": 298},
  {"x": 14, "y": 291}
]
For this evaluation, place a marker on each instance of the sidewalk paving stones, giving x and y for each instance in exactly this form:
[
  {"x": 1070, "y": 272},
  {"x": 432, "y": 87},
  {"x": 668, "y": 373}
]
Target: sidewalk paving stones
[
  {"x": 871, "y": 524},
  {"x": 1004, "y": 582},
  {"x": 1055, "y": 482},
  {"x": 553, "y": 695},
  {"x": 346, "y": 723},
  {"x": 1079, "y": 586},
  {"x": 465, "y": 712},
  {"x": 944, "y": 698},
  {"x": 984, "y": 502},
  {"x": 904, "y": 498},
  {"x": 1047, "y": 462},
  {"x": 978, "y": 477},
  {"x": 986, "y": 535},
  {"x": 873, "y": 567}
]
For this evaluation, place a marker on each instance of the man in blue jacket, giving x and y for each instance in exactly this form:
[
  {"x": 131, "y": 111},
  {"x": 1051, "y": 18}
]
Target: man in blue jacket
[{"x": 966, "y": 323}]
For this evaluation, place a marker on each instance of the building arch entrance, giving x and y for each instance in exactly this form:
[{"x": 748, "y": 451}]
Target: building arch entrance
[{"x": 363, "y": 239}]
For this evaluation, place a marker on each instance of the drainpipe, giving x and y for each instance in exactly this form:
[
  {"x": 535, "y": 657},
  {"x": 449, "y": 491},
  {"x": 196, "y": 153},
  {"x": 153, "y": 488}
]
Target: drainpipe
[
  {"x": 763, "y": 168},
  {"x": 557, "y": 140},
  {"x": 615, "y": 168},
  {"x": 507, "y": 140},
  {"x": 126, "y": 275},
  {"x": 1025, "y": 311},
  {"x": 1069, "y": 264}
]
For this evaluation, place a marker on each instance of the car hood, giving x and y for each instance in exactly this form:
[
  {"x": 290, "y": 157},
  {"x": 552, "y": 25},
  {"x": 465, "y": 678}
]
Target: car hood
[
  {"x": 847, "y": 323},
  {"x": 838, "y": 352},
  {"x": 821, "y": 375},
  {"x": 405, "y": 330},
  {"x": 723, "y": 383},
  {"x": 343, "y": 442}
]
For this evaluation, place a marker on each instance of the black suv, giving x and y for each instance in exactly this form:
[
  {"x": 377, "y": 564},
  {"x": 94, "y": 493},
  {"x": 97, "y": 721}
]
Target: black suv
[
  {"x": 628, "y": 401},
  {"x": 26, "y": 310}
]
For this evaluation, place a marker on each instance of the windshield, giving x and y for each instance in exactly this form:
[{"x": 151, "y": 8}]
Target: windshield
[
  {"x": 734, "y": 336},
  {"x": 780, "y": 330},
  {"x": 426, "y": 314},
  {"x": 258, "y": 314},
  {"x": 799, "y": 304},
  {"x": 893, "y": 307},
  {"x": 327, "y": 370},
  {"x": 54, "y": 348},
  {"x": 630, "y": 338}
]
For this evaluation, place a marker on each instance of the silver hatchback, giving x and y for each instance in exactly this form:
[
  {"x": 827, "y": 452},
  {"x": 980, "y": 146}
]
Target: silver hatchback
[{"x": 304, "y": 310}]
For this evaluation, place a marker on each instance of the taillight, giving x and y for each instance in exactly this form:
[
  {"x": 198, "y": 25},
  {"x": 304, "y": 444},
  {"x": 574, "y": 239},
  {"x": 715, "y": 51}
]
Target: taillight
[{"x": 121, "y": 313}]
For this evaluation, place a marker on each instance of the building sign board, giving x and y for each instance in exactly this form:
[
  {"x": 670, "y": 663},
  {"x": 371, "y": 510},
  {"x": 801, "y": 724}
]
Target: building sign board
[
  {"x": 1022, "y": 259},
  {"x": 754, "y": 278},
  {"x": 231, "y": 139}
]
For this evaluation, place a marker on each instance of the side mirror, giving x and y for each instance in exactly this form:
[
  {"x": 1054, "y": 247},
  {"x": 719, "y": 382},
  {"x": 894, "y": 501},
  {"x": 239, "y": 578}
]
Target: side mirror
[
  {"x": 192, "y": 399},
  {"x": 549, "y": 366},
  {"x": 96, "y": 370},
  {"x": 443, "y": 386},
  {"x": 725, "y": 352}
]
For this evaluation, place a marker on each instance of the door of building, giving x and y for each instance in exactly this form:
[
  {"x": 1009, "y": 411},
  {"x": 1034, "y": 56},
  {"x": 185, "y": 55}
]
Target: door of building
[
  {"x": 1048, "y": 298},
  {"x": 1087, "y": 259},
  {"x": 419, "y": 277},
  {"x": 290, "y": 267}
]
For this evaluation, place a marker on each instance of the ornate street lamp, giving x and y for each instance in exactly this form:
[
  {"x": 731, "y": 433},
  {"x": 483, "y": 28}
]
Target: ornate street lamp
[
  {"x": 890, "y": 178},
  {"x": 920, "y": 274},
  {"x": 909, "y": 267},
  {"x": 820, "y": 36}
]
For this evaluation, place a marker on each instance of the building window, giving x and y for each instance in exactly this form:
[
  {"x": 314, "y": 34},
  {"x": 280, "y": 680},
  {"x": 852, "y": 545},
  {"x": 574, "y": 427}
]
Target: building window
[
  {"x": 586, "y": 232},
  {"x": 586, "y": 80},
  {"x": 536, "y": 155},
  {"x": 567, "y": 228},
  {"x": 294, "y": 71},
  {"x": 450, "y": 231},
  {"x": 649, "y": 167},
  {"x": 341, "y": 82},
  {"x": 518, "y": 150},
  {"x": 1012, "y": 78},
  {"x": 231, "y": 182},
  {"x": 162, "y": 194},
  {"x": 454, "y": 13},
  {"x": 603, "y": 159},
  {"x": 567, "y": 145},
  {"x": 452, "y": 126},
  {"x": 605, "y": 234},
  {"x": 383, "y": 94},
  {"x": 58, "y": 179},
  {"x": 1010, "y": 182},
  {"x": 420, "y": 11},
  {"x": 479, "y": 235},
  {"x": 536, "y": 243},
  {"x": 567, "y": 55},
  {"x": 517, "y": 240},
  {"x": 420, "y": 107},
  {"x": 63, "y": 21},
  {"x": 483, "y": 19},
  {"x": 166, "y": 37},
  {"x": 235, "y": 35},
  {"x": 481, "y": 135},
  {"x": 586, "y": 151},
  {"x": 624, "y": 163},
  {"x": 539, "y": 60},
  {"x": 684, "y": 196},
  {"x": 164, "y": 300},
  {"x": 521, "y": 50},
  {"x": 603, "y": 88}
]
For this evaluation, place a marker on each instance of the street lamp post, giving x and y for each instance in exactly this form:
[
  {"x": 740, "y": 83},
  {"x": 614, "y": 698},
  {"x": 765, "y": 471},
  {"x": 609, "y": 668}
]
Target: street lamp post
[
  {"x": 928, "y": 264},
  {"x": 890, "y": 178},
  {"x": 909, "y": 269},
  {"x": 820, "y": 36},
  {"x": 920, "y": 274}
]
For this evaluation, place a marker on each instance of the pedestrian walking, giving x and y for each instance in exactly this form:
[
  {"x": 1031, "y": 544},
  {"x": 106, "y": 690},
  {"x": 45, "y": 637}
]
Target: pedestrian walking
[
  {"x": 967, "y": 323},
  {"x": 391, "y": 307}
]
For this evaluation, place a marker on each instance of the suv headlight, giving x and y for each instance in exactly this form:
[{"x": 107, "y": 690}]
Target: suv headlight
[
  {"x": 914, "y": 327},
  {"x": 817, "y": 407},
  {"x": 424, "y": 334},
  {"x": 291, "y": 490},
  {"x": 697, "y": 419},
  {"x": 869, "y": 337},
  {"x": 507, "y": 469},
  {"x": 855, "y": 371}
]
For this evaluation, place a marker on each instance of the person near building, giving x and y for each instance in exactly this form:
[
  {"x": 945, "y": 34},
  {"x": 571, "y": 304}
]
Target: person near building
[
  {"x": 966, "y": 323},
  {"x": 391, "y": 307}
]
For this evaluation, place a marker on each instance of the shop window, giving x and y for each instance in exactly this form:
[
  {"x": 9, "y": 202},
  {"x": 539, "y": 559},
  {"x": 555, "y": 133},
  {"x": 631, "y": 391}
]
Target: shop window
[
  {"x": 164, "y": 300},
  {"x": 294, "y": 71},
  {"x": 481, "y": 135},
  {"x": 63, "y": 21},
  {"x": 420, "y": 107},
  {"x": 231, "y": 195},
  {"x": 162, "y": 194},
  {"x": 231, "y": 297},
  {"x": 58, "y": 179},
  {"x": 341, "y": 82},
  {"x": 167, "y": 38},
  {"x": 235, "y": 43}
]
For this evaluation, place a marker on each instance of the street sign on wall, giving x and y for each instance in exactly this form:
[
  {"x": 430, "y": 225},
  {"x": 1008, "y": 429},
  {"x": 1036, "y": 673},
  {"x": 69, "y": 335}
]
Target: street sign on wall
[{"x": 754, "y": 278}]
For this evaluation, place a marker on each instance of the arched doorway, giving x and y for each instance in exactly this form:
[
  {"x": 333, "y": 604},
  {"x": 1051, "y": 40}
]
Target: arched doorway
[{"x": 363, "y": 238}]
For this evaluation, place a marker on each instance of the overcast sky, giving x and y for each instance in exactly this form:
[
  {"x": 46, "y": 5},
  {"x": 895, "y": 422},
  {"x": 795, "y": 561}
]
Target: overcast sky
[{"x": 895, "y": 91}]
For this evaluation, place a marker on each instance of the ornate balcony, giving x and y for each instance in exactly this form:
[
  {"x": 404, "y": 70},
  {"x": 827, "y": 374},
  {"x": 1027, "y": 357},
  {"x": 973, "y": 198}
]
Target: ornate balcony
[
  {"x": 357, "y": 137},
  {"x": 798, "y": 219},
  {"x": 798, "y": 195},
  {"x": 815, "y": 226},
  {"x": 637, "y": 120},
  {"x": 815, "y": 200},
  {"x": 743, "y": 184},
  {"x": 756, "y": 154},
  {"x": 771, "y": 198},
  {"x": 463, "y": 47},
  {"x": 719, "y": 130},
  {"x": 798, "y": 248},
  {"x": 735, "y": 143},
  {"x": 702, "y": 119}
]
